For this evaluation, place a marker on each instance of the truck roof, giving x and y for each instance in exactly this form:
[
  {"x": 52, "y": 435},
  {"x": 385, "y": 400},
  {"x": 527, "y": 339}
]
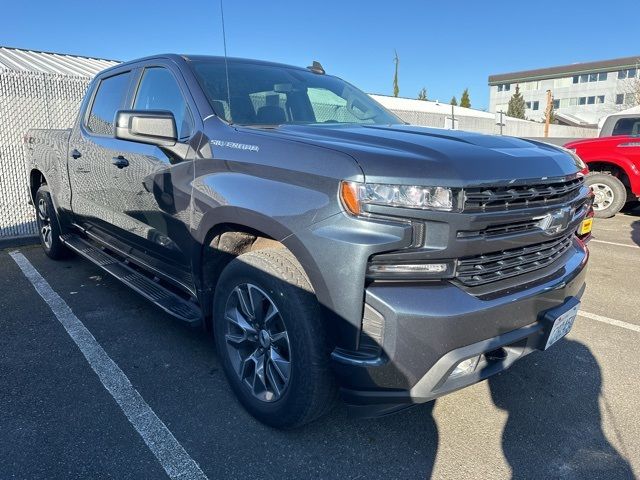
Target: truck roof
[{"x": 198, "y": 58}]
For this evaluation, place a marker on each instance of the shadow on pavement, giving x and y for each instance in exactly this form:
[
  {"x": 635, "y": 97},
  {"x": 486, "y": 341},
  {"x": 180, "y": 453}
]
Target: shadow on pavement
[
  {"x": 554, "y": 429},
  {"x": 635, "y": 232}
]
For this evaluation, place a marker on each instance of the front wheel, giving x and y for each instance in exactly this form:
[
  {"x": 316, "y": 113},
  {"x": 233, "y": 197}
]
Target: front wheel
[
  {"x": 48, "y": 225},
  {"x": 270, "y": 339},
  {"x": 610, "y": 195}
]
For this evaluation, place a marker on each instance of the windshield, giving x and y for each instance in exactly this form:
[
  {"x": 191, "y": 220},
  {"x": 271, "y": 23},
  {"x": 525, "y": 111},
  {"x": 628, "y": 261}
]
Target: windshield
[{"x": 276, "y": 95}]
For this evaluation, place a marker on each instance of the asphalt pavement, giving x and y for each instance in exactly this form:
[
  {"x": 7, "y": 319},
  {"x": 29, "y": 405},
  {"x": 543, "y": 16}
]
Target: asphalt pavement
[{"x": 572, "y": 412}]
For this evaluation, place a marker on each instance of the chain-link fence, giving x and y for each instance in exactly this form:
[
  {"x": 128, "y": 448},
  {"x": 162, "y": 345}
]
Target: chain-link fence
[{"x": 29, "y": 100}]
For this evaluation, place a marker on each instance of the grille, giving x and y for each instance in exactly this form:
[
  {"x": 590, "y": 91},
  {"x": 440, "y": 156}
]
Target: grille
[
  {"x": 520, "y": 196},
  {"x": 502, "y": 229},
  {"x": 491, "y": 267}
]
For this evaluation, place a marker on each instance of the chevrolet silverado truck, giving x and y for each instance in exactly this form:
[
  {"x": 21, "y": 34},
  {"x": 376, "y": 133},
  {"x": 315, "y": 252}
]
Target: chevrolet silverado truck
[
  {"x": 326, "y": 245},
  {"x": 614, "y": 166}
]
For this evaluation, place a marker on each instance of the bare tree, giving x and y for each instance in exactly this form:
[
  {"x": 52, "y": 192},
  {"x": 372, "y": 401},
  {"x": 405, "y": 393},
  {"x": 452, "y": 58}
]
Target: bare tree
[{"x": 630, "y": 88}]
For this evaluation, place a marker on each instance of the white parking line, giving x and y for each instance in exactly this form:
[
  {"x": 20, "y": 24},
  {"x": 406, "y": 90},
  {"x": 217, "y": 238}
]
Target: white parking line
[
  {"x": 615, "y": 243},
  {"x": 173, "y": 458},
  {"x": 610, "y": 321}
]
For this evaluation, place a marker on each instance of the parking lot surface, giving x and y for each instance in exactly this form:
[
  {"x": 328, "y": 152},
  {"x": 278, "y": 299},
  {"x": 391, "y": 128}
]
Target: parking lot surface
[{"x": 571, "y": 412}]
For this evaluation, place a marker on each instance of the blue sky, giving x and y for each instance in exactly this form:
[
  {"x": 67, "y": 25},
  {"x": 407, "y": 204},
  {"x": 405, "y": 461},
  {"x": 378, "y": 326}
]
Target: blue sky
[{"x": 444, "y": 46}]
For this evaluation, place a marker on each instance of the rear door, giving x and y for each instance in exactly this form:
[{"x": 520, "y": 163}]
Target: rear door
[
  {"x": 152, "y": 211},
  {"x": 91, "y": 148}
]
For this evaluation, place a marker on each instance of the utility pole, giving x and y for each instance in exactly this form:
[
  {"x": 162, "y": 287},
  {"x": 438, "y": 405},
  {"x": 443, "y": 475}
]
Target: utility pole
[
  {"x": 547, "y": 113},
  {"x": 453, "y": 118},
  {"x": 500, "y": 120}
]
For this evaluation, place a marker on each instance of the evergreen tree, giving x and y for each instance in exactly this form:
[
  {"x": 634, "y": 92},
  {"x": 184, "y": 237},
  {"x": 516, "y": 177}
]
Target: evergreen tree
[
  {"x": 454, "y": 101},
  {"x": 516, "y": 105},
  {"x": 422, "y": 94},
  {"x": 396, "y": 88},
  {"x": 465, "y": 101}
]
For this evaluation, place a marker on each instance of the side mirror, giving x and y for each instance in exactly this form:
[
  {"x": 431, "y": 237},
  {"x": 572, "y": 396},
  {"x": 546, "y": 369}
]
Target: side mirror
[{"x": 156, "y": 127}]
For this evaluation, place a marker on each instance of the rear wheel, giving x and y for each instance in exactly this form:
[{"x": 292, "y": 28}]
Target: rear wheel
[
  {"x": 610, "y": 194},
  {"x": 48, "y": 225},
  {"x": 270, "y": 339}
]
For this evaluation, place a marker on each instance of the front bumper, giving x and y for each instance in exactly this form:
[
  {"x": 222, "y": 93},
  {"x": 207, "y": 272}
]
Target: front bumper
[{"x": 428, "y": 329}]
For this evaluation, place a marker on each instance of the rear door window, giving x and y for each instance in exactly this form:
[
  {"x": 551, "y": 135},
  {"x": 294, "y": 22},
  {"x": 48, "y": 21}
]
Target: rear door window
[
  {"x": 627, "y": 126},
  {"x": 108, "y": 99},
  {"x": 159, "y": 90}
]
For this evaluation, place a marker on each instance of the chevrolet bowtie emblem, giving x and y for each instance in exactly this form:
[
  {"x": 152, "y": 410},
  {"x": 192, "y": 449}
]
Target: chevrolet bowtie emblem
[{"x": 556, "y": 221}]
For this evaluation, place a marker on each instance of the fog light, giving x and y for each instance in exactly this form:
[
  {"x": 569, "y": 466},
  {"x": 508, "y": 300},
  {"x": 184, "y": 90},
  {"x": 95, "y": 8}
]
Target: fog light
[
  {"x": 409, "y": 268},
  {"x": 466, "y": 366}
]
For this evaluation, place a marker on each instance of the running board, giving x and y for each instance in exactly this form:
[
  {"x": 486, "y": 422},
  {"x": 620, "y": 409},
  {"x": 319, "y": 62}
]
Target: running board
[{"x": 162, "y": 297}]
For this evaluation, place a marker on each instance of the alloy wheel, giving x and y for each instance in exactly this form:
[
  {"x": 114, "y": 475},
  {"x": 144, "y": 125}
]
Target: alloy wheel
[
  {"x": 257, "y": 342},
  {"x": 603, "y": 196},
  {"x": 44, "y": 222}
]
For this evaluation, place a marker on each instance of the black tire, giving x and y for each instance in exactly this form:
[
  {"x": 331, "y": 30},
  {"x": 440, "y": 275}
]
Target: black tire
[
  {"x": 611, "y": 194},
  {"x": 310, "y": 390},
  {"x": 48, "y": 225}
]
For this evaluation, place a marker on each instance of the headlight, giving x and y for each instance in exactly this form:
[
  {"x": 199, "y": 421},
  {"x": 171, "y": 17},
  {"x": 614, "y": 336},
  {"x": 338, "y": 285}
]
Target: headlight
[
  {"x": 578, "y": 161},
  {"x": 354, "y": 195}
]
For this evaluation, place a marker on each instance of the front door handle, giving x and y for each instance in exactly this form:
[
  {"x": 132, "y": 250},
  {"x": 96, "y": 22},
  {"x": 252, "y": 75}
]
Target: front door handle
[
  {"x": 120, "y": 161},
  {"x": 75, "y": 153}
]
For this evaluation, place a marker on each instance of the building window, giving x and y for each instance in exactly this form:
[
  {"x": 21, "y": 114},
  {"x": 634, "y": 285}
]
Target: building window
[
  {"x": 628, "y": 73},
  {"x": 562, "y": 82},
  {"x": 582, "y": 100},
  {"x": 620, "y": 99},
  {"x": 536, "y": 105},
  {"x": 600, "y": 99},
  {"x": 504, "y": 87},
  {"x": 527, "y": 86},
  {"x": 591, "y": 100},
  {"x": 556, "y": 104},
  {"x": 591, "y": 77},
  {"x": 527, "y": 105}
]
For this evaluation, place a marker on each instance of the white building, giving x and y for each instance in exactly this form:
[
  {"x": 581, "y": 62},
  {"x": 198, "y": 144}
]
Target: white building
[
  {"x": 583, "y": 93},
  {"x": 442, "y": 115}
]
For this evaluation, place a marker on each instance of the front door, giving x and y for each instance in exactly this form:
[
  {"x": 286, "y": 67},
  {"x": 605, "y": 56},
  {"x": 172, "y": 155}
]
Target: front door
[{"x": 152, "y": 211}]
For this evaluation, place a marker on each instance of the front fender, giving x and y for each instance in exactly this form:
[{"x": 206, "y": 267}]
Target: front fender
[
  {"x": 628, "y": 166},
  {"x": 274, "y": 208}
]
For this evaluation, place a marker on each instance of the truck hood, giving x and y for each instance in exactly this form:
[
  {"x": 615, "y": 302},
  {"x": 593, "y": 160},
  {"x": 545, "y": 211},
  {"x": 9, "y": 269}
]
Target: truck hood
[{"x": 406, "y": 154}]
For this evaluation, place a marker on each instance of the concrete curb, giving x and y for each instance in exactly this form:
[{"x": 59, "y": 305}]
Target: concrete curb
[{"x": 21, "y": 241}]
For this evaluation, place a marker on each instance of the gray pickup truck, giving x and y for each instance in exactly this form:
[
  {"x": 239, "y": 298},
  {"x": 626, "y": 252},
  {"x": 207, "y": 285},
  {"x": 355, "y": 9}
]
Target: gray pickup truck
[{"x": 328, "y": 246}]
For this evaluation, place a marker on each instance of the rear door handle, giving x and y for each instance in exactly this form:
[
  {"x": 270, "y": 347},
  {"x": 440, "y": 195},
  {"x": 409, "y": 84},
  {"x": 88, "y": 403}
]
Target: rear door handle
[
  {"x": 75, "y": 153},
  {"x": 120, "y": 161}
]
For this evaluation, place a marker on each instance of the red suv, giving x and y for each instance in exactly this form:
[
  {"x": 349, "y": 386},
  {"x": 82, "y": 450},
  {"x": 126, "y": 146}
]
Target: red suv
[{"x": 614, "y": 165}]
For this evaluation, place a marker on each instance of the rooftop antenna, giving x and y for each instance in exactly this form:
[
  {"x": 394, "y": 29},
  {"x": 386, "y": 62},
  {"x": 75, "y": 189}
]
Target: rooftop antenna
[{"x": 226, "y": 63}]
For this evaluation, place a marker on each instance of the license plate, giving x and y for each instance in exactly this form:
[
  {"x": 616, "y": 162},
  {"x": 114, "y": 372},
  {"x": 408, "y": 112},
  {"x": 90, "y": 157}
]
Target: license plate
[
  {"x": 585, "y": 226},
  {"x": 561, "y": 326}
]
